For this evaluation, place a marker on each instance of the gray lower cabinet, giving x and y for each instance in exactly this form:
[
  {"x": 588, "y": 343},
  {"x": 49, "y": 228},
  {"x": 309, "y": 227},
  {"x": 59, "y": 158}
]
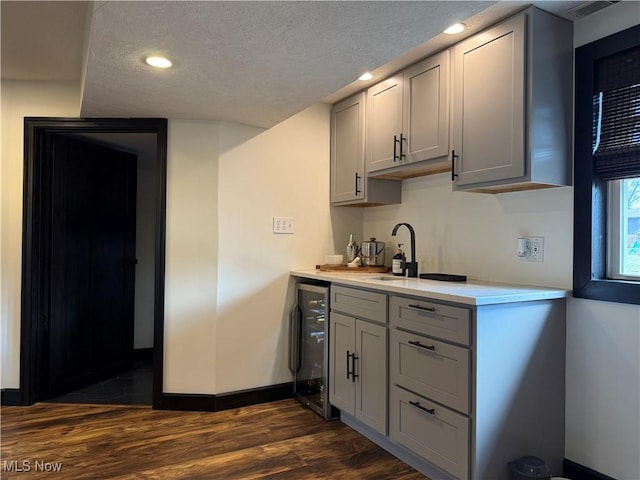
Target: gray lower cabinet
[
  {"x": 512, "y": 107},
  {"x": 463, "y": 390},
  {"x": 358, "y": 357},
  {"x": 472, "y": 388}
]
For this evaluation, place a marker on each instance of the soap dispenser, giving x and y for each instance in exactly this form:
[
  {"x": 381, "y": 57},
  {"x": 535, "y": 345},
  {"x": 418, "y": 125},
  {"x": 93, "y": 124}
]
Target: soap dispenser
[{"x": 398, "y": 262}]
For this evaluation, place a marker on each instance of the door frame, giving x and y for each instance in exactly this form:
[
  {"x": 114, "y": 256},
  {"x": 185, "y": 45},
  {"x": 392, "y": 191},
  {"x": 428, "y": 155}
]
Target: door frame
[{"x": 33, "y": 297}]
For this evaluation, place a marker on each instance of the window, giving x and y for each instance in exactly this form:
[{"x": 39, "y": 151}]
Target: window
[
  {"x": 606, "y": 260},
  {"x": 624, "y": 229}
]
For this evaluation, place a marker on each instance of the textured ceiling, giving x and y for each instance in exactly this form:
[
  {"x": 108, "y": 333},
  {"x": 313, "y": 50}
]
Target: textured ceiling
[
  {"x": 247, "y": 62},
  {"x": 255, "y": 63}
]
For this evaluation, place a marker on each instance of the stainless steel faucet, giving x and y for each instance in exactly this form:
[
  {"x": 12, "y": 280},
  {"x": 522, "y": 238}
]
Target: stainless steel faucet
[{"x": 412, "y": 266}]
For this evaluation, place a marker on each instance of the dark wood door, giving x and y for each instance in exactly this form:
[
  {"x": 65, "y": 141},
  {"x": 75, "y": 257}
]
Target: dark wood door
[{"x": 92, "y": 262}]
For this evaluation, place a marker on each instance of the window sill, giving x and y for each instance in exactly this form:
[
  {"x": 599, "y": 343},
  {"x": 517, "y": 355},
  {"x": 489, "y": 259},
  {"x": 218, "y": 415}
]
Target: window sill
[{"x": 620, "y": 291}]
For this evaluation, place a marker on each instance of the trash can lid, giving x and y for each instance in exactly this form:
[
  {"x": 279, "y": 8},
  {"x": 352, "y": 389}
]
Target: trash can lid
[{"x": 531, "y": 467}]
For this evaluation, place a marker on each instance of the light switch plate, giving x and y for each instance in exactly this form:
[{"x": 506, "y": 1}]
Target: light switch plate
[{"x": 283, "y": 225}]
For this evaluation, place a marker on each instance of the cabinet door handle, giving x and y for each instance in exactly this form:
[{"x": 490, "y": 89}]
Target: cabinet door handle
[
  {"x": 402, "y": 139},
  {"x": 395, "y": 143},
  {"x": 349, "y": 372},
  {"x": 430, "y": 411},
  {"x": 420, "y": 307},
  {"x": 354, "y": 375},
  {"x": 357, "y": 183},
  {"x": 453, "y": 165},
  {"x": 422, "y": 345}
]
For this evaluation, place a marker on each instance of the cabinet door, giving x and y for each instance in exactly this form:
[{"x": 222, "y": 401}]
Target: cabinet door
[
  {"x": 426, "y": 109},
  {"x": 384, "y": 120},
  {"x": 489, "y": 105},
  {"x": 432, "y": 431},
  {"x": 371, "y": 368},
  {"x": 347, "y": 149},
  {"x": 341, "y": 345}
]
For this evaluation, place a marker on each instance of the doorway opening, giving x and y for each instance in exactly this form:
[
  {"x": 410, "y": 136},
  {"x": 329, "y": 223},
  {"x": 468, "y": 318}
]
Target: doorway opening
[{"x": 84, "y": 310}]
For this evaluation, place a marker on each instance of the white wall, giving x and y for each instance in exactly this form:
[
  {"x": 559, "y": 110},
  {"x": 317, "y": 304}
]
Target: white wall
[
  {"x": 603, "y": 387},
  {"x": 19, "y": 100},
  {"x": 191, "y": 280},
  {"x": 283, "y": 171},
  {"x": 476, "y": 234},
  {"x": 227, "y": 281},
  {"x": 603, "y": 344}
]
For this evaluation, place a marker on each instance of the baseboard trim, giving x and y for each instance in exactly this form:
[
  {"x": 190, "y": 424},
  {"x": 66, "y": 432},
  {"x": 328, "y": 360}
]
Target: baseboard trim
[
  {"x": 11, "y": 397},
  {"x": 225, "y": 401},
  {"x": 575, "y": 471}
]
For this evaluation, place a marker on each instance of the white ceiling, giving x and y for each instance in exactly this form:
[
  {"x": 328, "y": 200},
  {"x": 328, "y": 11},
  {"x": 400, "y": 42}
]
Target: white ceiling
[{"x": 248, "y": 62}]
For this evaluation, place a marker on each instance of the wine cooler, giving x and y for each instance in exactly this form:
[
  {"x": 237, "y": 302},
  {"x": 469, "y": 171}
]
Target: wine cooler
[{"x": 309, "y": 348}]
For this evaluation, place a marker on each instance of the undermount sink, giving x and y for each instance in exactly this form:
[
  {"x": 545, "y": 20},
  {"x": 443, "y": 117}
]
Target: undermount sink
[{"x": 386, "y": 278}]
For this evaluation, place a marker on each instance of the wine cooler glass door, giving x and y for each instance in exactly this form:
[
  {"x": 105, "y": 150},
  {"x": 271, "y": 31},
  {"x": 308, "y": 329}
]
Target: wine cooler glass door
[{"x": 311, "y": 381}]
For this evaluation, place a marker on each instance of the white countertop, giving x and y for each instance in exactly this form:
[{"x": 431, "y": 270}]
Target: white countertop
[{"x": 469, "y": 292}]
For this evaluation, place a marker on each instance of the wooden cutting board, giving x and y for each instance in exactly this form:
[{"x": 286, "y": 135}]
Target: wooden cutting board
[{"x": 344, "y": 268}]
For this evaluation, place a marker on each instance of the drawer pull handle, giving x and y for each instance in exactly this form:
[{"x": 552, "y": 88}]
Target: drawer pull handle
[
  {"x": 430, "y": 411},
  {"x": 420, "y": 307},
  {"x": 421, "y": 345}
]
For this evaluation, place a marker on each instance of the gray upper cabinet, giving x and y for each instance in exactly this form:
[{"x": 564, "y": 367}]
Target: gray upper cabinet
[
  {"x": 347, "y": 149},
  {"x": 426, "y": 110},
  {"x": 408, "y": 121},
  {"x": 512, "y": 105},
  {"x": 349, "y": 185},
  {"x": 384, "y": 124}
]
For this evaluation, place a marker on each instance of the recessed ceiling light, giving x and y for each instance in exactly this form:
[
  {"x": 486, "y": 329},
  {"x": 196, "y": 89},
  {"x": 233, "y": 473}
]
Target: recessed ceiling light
[
  {"x": 455, "y": 28},
  {"x": 365, "y": 76},
  {"x": 158, "y": 62}
]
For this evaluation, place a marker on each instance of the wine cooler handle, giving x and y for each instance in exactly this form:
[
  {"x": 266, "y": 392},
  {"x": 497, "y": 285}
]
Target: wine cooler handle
[{"x": 294, "y": 339}]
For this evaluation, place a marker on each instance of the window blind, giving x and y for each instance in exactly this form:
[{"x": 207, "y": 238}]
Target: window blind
[{"x": 616, "y": 116}]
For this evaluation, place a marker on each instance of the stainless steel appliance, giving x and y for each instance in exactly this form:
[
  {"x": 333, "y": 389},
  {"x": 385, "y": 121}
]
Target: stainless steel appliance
[
  {"x": 309, "y": 348},
  {"x": 372, "y": 253}
]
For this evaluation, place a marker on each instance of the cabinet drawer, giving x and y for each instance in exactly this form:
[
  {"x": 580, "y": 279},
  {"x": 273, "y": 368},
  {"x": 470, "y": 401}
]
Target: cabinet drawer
[
  {"x": 359, "y": 303},
  {"x": 434, "y": 369},
  {"x": 434, "y": 432},
  {"x": 430, "y": 318}
]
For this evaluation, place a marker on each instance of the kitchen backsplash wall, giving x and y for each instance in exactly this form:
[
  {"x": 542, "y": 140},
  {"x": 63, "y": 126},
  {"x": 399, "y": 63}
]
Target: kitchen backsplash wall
[{"x": 476, "y": 234}]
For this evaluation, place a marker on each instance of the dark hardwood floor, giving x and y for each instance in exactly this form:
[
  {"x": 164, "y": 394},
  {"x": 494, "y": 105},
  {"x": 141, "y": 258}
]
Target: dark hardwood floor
[{"x": 278, "y": 440}]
